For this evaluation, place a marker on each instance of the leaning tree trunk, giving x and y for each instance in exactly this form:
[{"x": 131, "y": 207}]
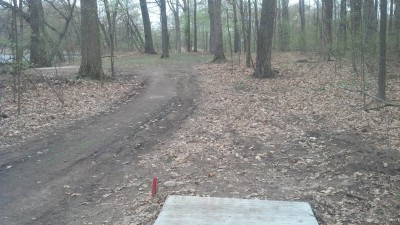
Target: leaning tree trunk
[
  {"x": 164, "y": 30},
  {"x": 248, "y": 53},
  {"x": 219, "y": 49},
  {"x": 264, "y": 40},
  {"x": 91, "y": 65},
  {"x": 148, "y": 39}
]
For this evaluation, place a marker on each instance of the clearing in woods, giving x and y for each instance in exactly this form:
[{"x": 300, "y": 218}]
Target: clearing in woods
[{"x": 208, "y": 130}]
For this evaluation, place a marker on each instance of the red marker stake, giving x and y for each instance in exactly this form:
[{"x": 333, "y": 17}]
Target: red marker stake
[{"x": 154, "y": 187}]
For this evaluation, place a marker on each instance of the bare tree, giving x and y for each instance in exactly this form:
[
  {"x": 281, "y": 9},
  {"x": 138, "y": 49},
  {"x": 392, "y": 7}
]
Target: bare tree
[
  {"x": 91, "y": 65},
  {"x": 264, "y": 40},
  {"x": 174, "y": 7}
]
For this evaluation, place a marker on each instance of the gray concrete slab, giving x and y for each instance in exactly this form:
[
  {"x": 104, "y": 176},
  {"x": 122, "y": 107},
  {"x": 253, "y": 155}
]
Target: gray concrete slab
[{"x": 193, "y": 210}]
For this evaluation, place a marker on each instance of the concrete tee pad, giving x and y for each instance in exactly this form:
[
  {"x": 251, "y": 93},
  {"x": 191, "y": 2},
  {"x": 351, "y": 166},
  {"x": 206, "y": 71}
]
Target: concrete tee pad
[{"x": 194, "y": 210}]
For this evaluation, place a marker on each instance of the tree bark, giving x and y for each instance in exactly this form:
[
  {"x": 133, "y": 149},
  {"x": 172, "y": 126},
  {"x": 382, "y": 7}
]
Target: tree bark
[
  {"x": 39, "y": 54},
  {"x": 186, "y": 11},
  {"x": 370, "y": 26},
  {"x": 236, "y": 36},
  {"x": 111, "y": 30},
  {"x": 397, "y": 27},
  {"x": 264, "y": 40},
  {"x": 284, "y": 26},
  {"x": 355, "y": 31},
  {"x": 91, "y": 65},
  {"x": 164, "y": 30},
  {"x": 219, "y": 49},
  {"x": 211, "y": 14},
  {"x": 195, "y": 25},
  {"x": 148, "y": 38},
  {"x": 382, "y": 52},
  {"x": 327, "y": 23},
  {"x": 244, "y": 33},
  {"x": 302, "y": 41},
  {"x": 343, "y": 26},
  {"x": 248, "y": 55}
]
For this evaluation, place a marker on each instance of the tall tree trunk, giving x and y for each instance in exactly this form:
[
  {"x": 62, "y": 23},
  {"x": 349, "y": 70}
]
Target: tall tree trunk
[
  {"x": 284, "y": 26},
  {"x": 164, "y": 30},
  {"x": 264, "y": 41},
  {"x": 243, "y": 18},
  {"x": 111, "y": 30},
  {"x": 39, "y": 54},
  {"x": 195, "y": 25},
  {"x": 177, "y": 28},
  {"x": 236, "y": 36},
  {"x": 370, "y": 24},
  {"x": 382, "y": 52},
  {"x": 343, "y": 26},
  {"x": 186, "y": 10},
  {"x": 391, "y": 17},
  {"x": 302, "y": 41},
  {"x": 91, "y": 65},
  {"x": 211, "y": 13},
  {"x": 355, "y": 31},
  {"x": 248, "y": 55},
  {"x": 327, "y": 25},
  {"x": 397, "y": 27},
  {"x": 219, "y": 46},
  {"x": 148, "y": 39}
]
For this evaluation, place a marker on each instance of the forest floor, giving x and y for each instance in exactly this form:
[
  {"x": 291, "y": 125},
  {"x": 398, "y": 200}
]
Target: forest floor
[{"x": 301, "y": 136}]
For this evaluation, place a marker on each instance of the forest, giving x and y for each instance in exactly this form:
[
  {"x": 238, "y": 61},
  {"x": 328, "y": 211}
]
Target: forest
[{"x": 267, "y": 99}]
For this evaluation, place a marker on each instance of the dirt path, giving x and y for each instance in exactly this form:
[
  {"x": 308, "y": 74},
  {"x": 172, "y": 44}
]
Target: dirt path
[{"x": 63, "y": 179}]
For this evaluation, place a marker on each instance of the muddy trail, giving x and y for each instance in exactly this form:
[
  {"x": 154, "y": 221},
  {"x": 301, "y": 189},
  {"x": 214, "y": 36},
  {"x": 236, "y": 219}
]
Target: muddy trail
[{"x": 61, "y": 179}]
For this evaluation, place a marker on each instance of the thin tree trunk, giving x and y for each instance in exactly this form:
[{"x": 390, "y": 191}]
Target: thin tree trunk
[
  {"x": 186, "y": 10},
  {"x": 111, "y": 30},
  {"x": 343, "y": 26},
  {"x": 164, "y": 28},
  {"x": 248, "y": 55},
  {"x": 211, "y": 13},
  {"x": 382, "y": 52},
  {"x": 355, "y": 31},
  {"x": 236, "y": 36},
  {"x": 302, "y": 41},
  {"x": 327, "y": 26},
  {"x": 284, "y": 26},
  {"x": 195, "y": 25},
  {"x": 244, "y": 33}
]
